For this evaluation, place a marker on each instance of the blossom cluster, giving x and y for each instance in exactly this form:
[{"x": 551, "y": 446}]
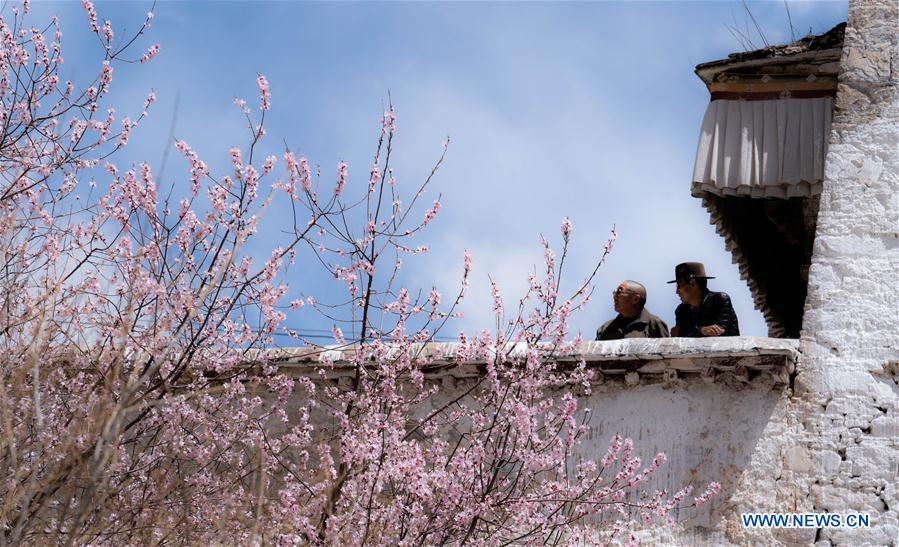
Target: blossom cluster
[{"x": 143, "y": 397}]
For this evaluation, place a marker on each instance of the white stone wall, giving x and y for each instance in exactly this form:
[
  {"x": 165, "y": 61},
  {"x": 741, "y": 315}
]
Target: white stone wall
[
  {"x": 711, "y": 430},
  {"x": 832, "y": 443},
  {"x": 717, "y": 407},
  {"x": 843, "y": 453}
]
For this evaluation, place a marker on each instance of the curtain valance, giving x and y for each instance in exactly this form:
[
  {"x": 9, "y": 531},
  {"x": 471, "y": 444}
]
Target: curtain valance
[{"x": 763, "y": 148}]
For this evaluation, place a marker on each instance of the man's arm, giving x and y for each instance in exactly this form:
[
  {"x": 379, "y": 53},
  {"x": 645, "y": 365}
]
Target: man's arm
[
  {"x": 712, "y": 330},
  {"x": 725, "y": 318}
]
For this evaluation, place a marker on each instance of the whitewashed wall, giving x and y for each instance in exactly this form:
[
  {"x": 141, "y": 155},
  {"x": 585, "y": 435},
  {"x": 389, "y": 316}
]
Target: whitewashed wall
[{"x": 845, "y": 416}]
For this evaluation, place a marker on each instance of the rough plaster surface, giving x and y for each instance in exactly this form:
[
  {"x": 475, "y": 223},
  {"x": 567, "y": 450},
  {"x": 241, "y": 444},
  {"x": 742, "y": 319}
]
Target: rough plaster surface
[
  {"x": 842, "y": 426},
  {"x": 717, "y": 407},
  {"x": 710, "y": 431}
]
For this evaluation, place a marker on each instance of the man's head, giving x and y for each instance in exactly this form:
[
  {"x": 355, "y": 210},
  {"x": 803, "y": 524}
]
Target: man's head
[
  {"x": 629, "y": 298},
  {"x": 692, "y": 282}
]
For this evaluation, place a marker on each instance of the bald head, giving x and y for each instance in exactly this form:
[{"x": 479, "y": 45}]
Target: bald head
[
  {"x": 629, "y": 298},
  {"x": 638, "y": 289}
]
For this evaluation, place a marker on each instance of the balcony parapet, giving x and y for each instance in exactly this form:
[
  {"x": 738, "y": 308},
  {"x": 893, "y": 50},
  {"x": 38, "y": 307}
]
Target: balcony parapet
[{"x": 734, "y": 360}]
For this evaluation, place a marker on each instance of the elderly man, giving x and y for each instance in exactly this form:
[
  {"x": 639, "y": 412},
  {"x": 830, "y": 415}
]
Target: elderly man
[
  {"x": 703, "y": 312},
  {"x": 633, "y": 320}
]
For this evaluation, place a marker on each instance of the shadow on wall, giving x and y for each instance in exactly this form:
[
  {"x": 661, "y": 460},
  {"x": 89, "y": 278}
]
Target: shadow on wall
[{"x": 707, "y": 432}]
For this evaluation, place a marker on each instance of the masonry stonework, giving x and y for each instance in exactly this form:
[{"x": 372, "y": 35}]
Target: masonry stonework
[{"x": 843, "y": 427}]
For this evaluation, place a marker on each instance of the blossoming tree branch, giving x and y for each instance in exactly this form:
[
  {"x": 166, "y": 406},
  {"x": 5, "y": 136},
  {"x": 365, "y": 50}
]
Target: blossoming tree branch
[{"x": 139, "y": 399}]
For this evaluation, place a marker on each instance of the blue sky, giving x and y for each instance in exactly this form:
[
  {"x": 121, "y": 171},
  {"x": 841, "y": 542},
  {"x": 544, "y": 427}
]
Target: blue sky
[{"x": 586, "y": 110}]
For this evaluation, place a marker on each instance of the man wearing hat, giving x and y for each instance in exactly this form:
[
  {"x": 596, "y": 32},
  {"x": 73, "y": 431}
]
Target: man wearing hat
[
  {"x": 633, "y": 320},
  {"x": 703, "y": 312}
]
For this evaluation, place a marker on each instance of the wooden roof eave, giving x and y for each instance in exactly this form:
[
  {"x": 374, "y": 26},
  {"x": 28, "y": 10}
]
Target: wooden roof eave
[{"x": 709, "y": 71}]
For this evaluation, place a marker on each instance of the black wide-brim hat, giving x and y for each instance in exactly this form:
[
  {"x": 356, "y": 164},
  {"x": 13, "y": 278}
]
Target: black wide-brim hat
[{"x": 686, "y": 271}]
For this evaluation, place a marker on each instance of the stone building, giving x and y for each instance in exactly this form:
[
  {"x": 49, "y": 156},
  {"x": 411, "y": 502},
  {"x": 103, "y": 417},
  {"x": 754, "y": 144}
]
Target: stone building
[
  {"x": 809, "y": 207},
  {"x": 798, "y": 167}
]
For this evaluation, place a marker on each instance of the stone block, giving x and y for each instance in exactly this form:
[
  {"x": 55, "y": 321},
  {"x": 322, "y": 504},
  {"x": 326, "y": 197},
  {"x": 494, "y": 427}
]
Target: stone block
[
  {"x": 890, "y": 495},
  {"x": 826, "y": 462},
  {"x": 885, "y": 426},
  {"x": 793, "y": 536},
  {"x": 878, "y": 534},
  {"x": 836, "y": 499},
  {"x": 848, "y": 406},
  {"x": 858, "y": 421},
  {"x": 798, "y": 458},
  {"x": 874, "y": 461},
  {"x": 868, "y": 64}
]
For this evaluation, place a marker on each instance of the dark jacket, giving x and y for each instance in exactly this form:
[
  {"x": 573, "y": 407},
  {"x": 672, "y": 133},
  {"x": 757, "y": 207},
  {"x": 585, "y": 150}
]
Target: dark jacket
[
  {"x": 645, "y": 325},
  {"x": 715, "y": 309}
]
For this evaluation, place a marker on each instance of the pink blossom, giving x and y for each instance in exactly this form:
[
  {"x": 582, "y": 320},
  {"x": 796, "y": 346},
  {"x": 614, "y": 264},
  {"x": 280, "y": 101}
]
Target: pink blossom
[
  {"x": 305, "y": 175},
  {"x": 198, "y": 168},
  {"x": 374, "y": 177},
  {"x": 252, "y": 178},
  {"x": 434, "y": 298},
  {"x": 105, "y": 77},
  {"x": 218, "y": 197},
  {"x": 711, "y": 491},
  {"x": 497, "y": 299},
  {"x": 235, "y": 159},
  {"x": 151, "y": 53},
  {"x": 127, "y": 124},
  {"x": 290, "y": 163},
  {"x": 466, "y": 271},
  {"x": 341, "y": 178},
  {"x": 612, "y": 453},
  {"x": 431, "y": 213},
  {"x": 264, "y": 94},
  {"x": 91, "y": 14},
  {"x": 388, "y": 121},
  {"x": 107, "y": 32},
  {"x": 566, "y": 227},
  {"x": 268, "y": 164},
  {"x": 52, "y": 248},
  {"x": 161, "y": 331}
]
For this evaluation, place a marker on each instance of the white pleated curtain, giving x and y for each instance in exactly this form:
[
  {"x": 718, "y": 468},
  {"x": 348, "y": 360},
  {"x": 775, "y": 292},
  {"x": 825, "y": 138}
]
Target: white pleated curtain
[{"x": 767, "y": 148}]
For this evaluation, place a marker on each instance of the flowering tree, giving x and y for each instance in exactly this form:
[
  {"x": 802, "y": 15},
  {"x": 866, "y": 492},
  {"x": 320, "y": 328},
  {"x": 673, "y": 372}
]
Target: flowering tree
[{"x": 140, "y": 395}]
